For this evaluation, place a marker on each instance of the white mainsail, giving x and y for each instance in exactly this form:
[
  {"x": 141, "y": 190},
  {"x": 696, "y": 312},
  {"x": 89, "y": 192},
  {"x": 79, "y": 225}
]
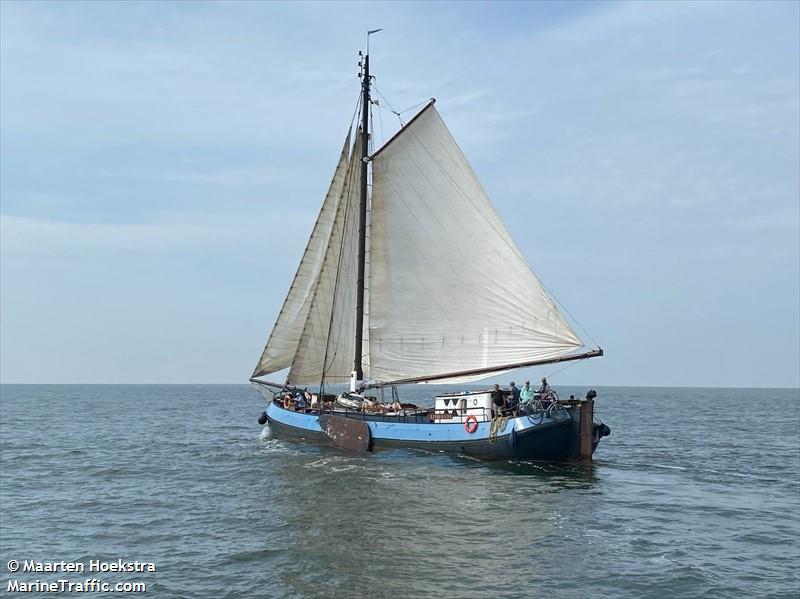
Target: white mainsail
[
  {"x": 449, "y": 289},
  {"x": 327, "y": 343},
  {"x": 285, "y": 336}
]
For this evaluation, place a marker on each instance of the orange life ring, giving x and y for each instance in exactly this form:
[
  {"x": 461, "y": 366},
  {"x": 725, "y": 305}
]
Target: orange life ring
[
  {"x": 471, "y": 424},
  {"x": 287, "y": 403}
]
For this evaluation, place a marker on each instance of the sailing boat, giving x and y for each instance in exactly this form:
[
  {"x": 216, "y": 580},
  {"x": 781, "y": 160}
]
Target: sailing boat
[{"x": 414, "y": 279}]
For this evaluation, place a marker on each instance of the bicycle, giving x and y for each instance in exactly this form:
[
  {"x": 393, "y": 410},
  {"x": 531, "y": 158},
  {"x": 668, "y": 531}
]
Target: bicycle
[{"x": 545, "y": 406}]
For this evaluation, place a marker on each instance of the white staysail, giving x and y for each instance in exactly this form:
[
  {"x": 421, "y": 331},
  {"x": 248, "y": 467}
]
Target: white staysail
[
  {"x": 327, "y": 343},
  {"x": 449, "y": 289},
  {"x": 285, "y": 337}
]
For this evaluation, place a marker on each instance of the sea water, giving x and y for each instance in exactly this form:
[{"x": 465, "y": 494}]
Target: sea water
[{"x": 695, "y": 493}]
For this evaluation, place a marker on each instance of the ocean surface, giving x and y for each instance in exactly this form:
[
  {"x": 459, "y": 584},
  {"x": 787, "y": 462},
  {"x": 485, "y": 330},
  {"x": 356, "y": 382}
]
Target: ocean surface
[{"x": 696, "y": 493}]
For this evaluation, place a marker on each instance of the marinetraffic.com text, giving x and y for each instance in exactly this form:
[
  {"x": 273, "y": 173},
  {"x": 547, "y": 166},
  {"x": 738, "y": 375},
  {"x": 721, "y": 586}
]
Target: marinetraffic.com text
[{"x": 64, "y": 584}]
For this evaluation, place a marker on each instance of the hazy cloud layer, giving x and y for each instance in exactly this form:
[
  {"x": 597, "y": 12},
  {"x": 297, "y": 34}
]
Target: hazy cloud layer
[{"x": 162, "y": 165}]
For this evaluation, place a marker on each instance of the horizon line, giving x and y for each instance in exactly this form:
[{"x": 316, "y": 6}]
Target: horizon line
[{"x": 796, "y": 388}]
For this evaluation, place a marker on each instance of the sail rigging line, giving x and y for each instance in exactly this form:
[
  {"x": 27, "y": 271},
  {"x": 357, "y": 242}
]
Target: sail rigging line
[
  {"x": 370, "y": 140},
  {"x": 380, "y": 123},
  {"x": 469, "y": 200},
  {"x": 479, "y": 371},
  {"x": 365, "y": 335},
  {"x": 417, "y": 105},
  {"x": 391, "y": 109},
  {"x": 560, "y": 370},
  {"x": 575, "y": 320},
  {"x": 279, "y": 386},
  {"x": 398, "y": 113},
  {"x": 430, "y": 103},
  {"x": 355, "y": 112}
]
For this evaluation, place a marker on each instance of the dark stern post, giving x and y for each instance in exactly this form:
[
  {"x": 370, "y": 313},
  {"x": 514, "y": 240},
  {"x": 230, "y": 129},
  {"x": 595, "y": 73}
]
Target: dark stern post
[
  {"x": 362, "y": 218},
  {"x": 586, "y": 429}
]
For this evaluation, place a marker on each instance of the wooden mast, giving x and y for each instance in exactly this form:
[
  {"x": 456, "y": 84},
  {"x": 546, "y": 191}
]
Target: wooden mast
[{"x": 362, "y": 220}]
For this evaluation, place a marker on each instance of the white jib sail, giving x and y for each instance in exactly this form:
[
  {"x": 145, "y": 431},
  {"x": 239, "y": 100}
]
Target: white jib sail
[
  {"x": 285, "y": 337},
  {"x": 327, "y": 342},
  {"x": 449, "y": 289}
]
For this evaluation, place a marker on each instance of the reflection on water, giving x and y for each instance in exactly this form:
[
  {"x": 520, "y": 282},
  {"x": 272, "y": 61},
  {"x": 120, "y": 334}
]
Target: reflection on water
[
  {"x": 582, "y": 475},
  {"x": 365, "y": 517},
  {"x": 405, "y": 516}
]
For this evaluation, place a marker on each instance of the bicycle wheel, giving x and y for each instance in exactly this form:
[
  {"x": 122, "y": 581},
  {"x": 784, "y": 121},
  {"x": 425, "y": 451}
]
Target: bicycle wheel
[
  {"x": 559, "y": 414},
  {"x": 535, "y": 415}
]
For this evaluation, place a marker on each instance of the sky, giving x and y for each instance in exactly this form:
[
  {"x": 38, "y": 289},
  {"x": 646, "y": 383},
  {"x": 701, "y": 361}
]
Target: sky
[{"x": 162, "y": 164}]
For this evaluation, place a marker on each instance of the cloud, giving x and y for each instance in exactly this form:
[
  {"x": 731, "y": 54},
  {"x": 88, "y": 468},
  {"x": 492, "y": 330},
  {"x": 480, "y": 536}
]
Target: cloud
[
  {"x": 215, "y": 176},
  {"x": 637, "y": 150},
  {"x": 28, "y": 236},
  {"x": 172, "y": 232},
  {"x": 625, "y": 18},
  {"x": 782, "y": 219}
]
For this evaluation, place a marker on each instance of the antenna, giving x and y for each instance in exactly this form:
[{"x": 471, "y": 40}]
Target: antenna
[{"x": 370, "y": 32}]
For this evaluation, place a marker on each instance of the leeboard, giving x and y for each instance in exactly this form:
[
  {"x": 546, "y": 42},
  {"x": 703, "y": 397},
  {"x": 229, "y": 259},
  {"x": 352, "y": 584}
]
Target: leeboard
[{"x": 347, "y": 433}]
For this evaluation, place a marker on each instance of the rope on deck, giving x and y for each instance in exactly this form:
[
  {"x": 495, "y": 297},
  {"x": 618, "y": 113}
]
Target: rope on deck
[{"x": 497, "y": 425}]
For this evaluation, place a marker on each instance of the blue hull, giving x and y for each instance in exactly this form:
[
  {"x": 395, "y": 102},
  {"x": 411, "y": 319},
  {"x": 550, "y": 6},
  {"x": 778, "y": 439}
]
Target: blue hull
[{"x": 549, "y": 440}]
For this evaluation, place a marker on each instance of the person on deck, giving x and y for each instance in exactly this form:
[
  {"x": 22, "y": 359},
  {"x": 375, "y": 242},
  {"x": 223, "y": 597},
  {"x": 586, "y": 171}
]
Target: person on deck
[
  {"x": 526, "y": 393},
  {"x": 513, "y": 400},
  {"x": 544, "y": 389},
  {"x": 545, "y": 393},
  {"x": 498, "y": 401}
]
